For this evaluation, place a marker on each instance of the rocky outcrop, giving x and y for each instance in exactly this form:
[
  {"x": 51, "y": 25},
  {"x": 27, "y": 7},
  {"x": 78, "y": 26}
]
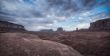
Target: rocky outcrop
[
  {"x": 10, "y": 27},
  {"x": 100, "y": 25},
  {"x": 19, "y": 44}
]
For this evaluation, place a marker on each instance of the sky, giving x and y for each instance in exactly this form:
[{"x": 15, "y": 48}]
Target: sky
[{"x": 36, "y": 15}]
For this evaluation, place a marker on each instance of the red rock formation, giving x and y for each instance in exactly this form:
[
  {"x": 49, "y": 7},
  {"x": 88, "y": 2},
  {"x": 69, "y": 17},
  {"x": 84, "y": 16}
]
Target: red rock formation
[
  {"x": 100, "y": 25},
  {"x": 10, "y": 27}
]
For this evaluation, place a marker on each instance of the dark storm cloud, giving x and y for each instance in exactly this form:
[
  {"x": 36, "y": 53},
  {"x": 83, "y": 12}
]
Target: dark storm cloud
[
  {"x": 36, "y": 14},
  {"x": 3, "y": 13},
  {"x": 6, "y": 18},
  {"x": 89, "y": 2}
]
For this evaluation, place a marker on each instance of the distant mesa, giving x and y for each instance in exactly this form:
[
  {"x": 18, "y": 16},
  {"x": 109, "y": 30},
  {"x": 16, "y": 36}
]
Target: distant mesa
[
  {"x": 46, "y": 30},
  {"x": 60, "y": 29},
  {"x": 100, "y": 25},
  {"x": 10, "y": 27}
]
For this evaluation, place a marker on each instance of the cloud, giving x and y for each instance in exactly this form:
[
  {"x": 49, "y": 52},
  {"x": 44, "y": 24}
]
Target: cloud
[
  {"x": 83, "y": 25},
  {"x": 4, "y": 18},
  {"x": 89, "y": 2},
  {"x": 63, "y": 4},
  {"x": 43, "y": 14}
]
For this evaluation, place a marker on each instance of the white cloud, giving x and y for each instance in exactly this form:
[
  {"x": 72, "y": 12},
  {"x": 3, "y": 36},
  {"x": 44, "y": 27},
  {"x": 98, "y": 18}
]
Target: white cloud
[{"x": 83, "y": 25}]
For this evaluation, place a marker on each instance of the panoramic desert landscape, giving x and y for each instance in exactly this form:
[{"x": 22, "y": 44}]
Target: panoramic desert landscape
[
  {"x": 58, "y": 43},
  {"x": 54, "y": 27}
]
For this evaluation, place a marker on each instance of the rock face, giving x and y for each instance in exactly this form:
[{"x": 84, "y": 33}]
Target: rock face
[
  {"x": 16, "y": 44},
  {"x": 100, "y": 25},
  {"x": 10, "y": 27}
]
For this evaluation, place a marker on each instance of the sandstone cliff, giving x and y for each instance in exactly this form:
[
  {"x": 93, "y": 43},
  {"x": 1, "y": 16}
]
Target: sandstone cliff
[
  {"x": 100, "y": 25},
  {"x": 10, "y": 27}
]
